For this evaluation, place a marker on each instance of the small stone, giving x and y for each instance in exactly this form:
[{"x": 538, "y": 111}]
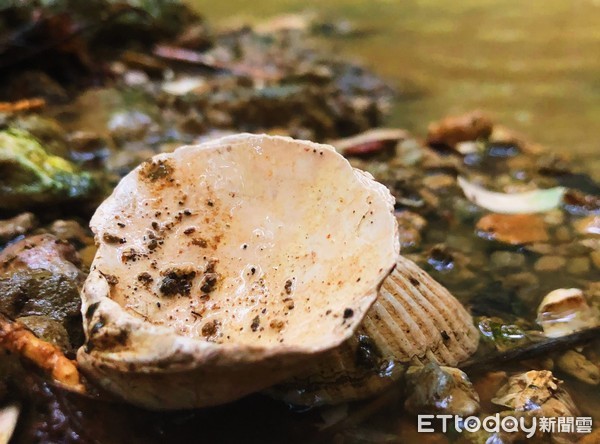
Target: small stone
[
  {"x": 438, "y": 389},
  {"x": 595, "y": 257},
  {"x": 578, "y": 366},
  {"x": 589, "y": 225},
  {"x": 520, "y": 280},
  {"x": 72, "y": 231},
  {"x": 514, "y": 229},
  {"x": 16, "y": 226},
  {"x": 578, "y": 265},
  {"x": 506, "y": 259},
  {"x": 563, "y": 234},
  {"x": 549, "y": 263},
  {"x": 541, "y": 248},
  {"x": 452, "y": 130},
  {"x": 554, "y": 217},
  {"x": 439, "y": 181},
  {"x": 410, "y": 226}
]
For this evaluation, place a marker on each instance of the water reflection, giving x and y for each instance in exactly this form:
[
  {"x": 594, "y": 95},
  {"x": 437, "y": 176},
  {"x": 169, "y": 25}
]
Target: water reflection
[{"x": 534, "y": 65}]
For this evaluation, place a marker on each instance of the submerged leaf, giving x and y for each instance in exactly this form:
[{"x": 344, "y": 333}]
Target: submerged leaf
[{"x": 515, "y": 203}]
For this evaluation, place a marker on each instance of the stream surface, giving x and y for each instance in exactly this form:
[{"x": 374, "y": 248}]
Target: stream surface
[{"x": 535, "y": 66}]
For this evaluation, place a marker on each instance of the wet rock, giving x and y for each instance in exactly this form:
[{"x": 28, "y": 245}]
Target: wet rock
[
  {"x": 577, "y": 365},
  {"x": 506, "y": 259},
  {"x": 565, "y": 311},
  {"x": 448, "y": 132},
  {"x": 589, "y": 225},
  {"x": 127, "y": 126},
  {"x": 29, "y": 175},
  {"x": 514, "y": 229},
  {"x": 16, "y": 226},
  {"x": 409, "y": 152},
  {"x": 549, "y": 263},
  {"x": 554, "y": 217},
  {"x": 441, "y": 258},
  {"x": 47, "y": 329},
  {"x": 438, "y": 389},
  {"x": 41, "y": 252},
  {"x": 185, "y": 85},
  {"x": 578, "y": 265},
  {"x": 87, "y": 146},
  {"x": 48, "y": 131},
  {"x": 563, "y": 234},
  {"x": 410, "y": 226},
  {"x": 72, "y": 232},
  {"x": 39, "y": 276},
  {"x": 112, "y": 114},
  {"x": 438, "y": 182},
  {"x": 595, "y": 258}
]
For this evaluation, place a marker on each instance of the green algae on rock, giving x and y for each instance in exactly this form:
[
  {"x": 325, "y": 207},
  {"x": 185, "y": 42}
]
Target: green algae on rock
[{"x": 30, "y": 176}]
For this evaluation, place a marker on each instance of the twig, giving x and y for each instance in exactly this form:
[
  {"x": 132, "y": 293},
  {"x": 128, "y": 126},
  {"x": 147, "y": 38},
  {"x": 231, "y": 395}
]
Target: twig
[
  {"x": 22, "y": 105},
  {"x": 530, "y": 350}
]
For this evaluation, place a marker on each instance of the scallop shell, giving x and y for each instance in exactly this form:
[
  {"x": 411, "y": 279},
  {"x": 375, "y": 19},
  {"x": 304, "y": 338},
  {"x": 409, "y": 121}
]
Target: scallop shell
[
  {"x": 414, "y": 320},
  {"x": 223, "y": 266}
]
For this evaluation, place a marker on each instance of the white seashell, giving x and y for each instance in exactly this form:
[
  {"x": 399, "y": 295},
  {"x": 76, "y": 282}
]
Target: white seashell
[
  {"x": 223, "y": 266},
  {"x": 414, "y": 320},
  {"x": 565, "y": 311},
  {"x": 9, "y": 416}
]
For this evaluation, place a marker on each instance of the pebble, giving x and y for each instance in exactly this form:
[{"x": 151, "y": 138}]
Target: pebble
[
  {"x": 589, "y": 225},
  {"x": 578, "y": 366},
  {"x": 563, "y": 234},
  {"x": 514, "y": 229},
  {"x": 554, "y": 217},
  {"x": 439, "y": 181},
  {"x": 549, "y": 263},
  {"x": 595, "y": 257},
  {"x": 16, "y": 226},
  {"x": 578, "y": 265},
  {"x": 455, "y": 129},
  {"x": 507, "y": 259},
  {"x": 410, "y": 226}
]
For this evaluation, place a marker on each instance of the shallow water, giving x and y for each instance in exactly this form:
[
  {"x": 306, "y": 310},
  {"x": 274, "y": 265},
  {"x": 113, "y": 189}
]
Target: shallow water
[{"x": 534, "y": 66}]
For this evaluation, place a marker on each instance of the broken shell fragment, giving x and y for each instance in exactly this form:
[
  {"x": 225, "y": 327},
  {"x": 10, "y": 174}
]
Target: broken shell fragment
[
  {"x": 9, "y": 415},
  {"x": 536, "y": 390},
  {"x": 565, "y": 311},
  {"x": 415, "y": 320},
  {"x": 222, "y": 266},
  {"x": 370, "y": 142}
]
